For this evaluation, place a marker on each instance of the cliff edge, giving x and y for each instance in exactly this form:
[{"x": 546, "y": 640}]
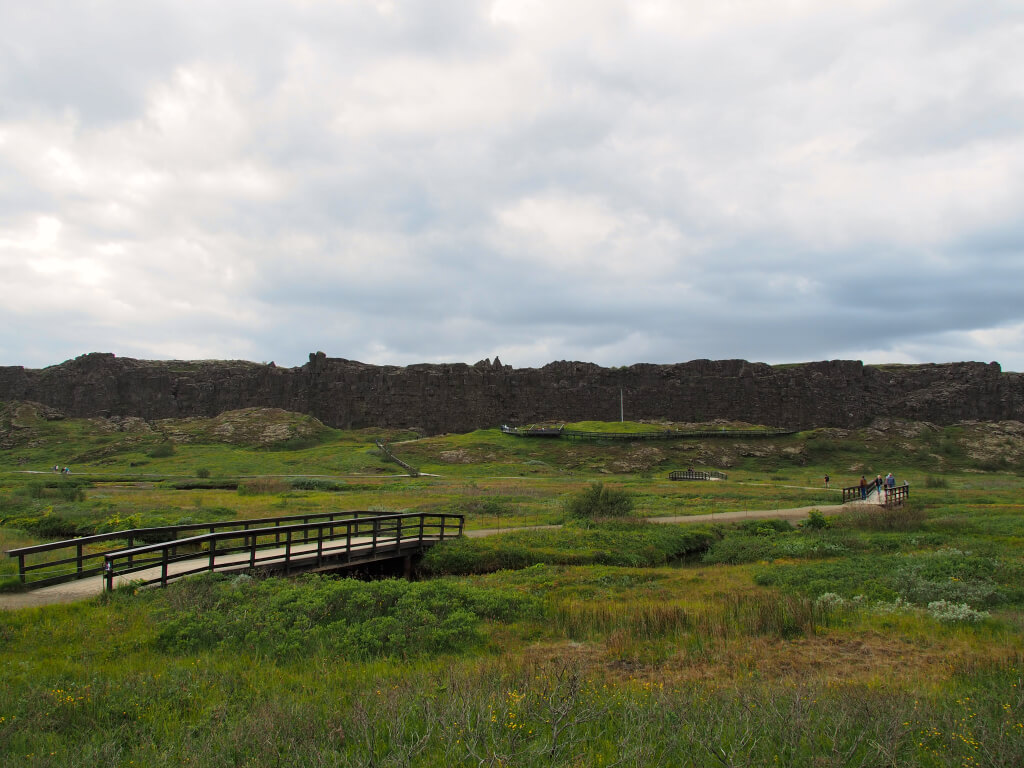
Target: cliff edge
[{"x": 436, "y": 398}]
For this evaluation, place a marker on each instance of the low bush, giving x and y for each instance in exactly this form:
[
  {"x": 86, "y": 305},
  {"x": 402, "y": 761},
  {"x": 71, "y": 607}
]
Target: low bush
[
  {"x": 951, "y": 613},
  {"x": 51, "y": 526},
  {"x": 317, "y": 484},
  {"x": 204, "y": 485},
  {"x": 66, "y": 489},
  {"x": 597, "y": 501},
  {"x": 624, "y": 544},
  {"x": 906, "y": 517},
  {"x": 161, "y": 450},
  {"x": 342, "y": 617},
  {"x": 765, "y": 527},
  {"x": 918, "y": 578},
  {"x": 816, "y": 521}
]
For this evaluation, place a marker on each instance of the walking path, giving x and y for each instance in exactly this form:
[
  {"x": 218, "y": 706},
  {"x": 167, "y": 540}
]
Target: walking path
[{"x": 83, "y": 589}]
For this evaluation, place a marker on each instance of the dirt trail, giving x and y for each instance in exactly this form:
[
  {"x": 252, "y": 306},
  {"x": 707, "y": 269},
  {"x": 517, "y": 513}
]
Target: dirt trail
[{"x": 84, "y": 589}]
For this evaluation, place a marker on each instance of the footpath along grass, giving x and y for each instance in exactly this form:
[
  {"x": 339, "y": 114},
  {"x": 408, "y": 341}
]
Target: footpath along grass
[{"x": 860, "y": 640}]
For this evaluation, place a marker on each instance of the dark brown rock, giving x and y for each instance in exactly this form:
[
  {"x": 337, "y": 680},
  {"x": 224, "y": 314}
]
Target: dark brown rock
[{"x": 459, "y": 397}]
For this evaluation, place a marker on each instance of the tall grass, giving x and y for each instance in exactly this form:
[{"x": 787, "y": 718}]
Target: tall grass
[
  {"x": 905, "y": 517},
  {"x": 263, "y": 486},
  {"x": 734, "y": 616}
]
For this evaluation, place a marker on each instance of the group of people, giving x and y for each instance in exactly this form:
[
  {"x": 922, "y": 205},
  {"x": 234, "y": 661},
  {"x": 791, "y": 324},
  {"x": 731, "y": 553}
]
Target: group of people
[
  {"x": 889, "y": 481},
  {"x": 57, "y": 470}
]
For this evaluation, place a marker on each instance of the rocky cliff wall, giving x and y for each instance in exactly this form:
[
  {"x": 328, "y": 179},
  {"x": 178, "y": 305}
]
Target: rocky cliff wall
[{"x": 458, "y": 397}]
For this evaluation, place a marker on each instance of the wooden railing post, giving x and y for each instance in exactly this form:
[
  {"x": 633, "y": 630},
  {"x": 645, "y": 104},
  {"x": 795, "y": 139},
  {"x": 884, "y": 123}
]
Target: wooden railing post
[{"x": 78, "y": 555}]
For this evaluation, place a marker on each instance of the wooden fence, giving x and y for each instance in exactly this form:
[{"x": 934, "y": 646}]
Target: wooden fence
[{"x": 665, "y": 434}]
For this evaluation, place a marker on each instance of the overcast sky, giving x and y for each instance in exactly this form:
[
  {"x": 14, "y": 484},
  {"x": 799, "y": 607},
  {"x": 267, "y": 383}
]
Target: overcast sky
[{"x": 614, "y": 181}]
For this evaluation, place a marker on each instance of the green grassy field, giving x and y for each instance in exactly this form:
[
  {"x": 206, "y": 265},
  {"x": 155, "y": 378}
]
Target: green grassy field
[{"x": 859, "y": 640}]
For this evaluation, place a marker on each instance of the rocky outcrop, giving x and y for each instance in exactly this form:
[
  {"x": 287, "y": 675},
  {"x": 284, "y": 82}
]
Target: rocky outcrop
[{"x": 435, "y": 398}]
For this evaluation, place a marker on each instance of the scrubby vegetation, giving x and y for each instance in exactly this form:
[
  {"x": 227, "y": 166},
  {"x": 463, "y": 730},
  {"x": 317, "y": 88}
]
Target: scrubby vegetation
[{"x": 839, "y": 639}]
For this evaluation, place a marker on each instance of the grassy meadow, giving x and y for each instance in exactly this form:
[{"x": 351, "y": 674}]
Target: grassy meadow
[{"x": 856, "y": 639}]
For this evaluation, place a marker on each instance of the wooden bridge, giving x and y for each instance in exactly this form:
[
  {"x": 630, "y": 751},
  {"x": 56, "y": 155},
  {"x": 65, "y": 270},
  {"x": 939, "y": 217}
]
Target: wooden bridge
[
  {"x": 691, "y": 474},
  {"x": 872, "y": 494},
  {"x": 325, "y": 542}
]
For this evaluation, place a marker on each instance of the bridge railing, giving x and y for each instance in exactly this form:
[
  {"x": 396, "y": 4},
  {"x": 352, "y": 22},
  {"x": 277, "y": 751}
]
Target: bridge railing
[
  {"x": 896, "y": 495},
  {"x": 888, "y": 497},
  {"x": 385, "y": 449},
  {"x": 82, "y": 557},
  {"x": 853, "y": 493},
  {"x": 282, "y": 547},
  {"x": 690, "y": 474}
]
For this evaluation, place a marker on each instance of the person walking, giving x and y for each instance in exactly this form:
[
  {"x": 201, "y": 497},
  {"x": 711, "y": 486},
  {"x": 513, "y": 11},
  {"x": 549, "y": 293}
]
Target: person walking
[
  {"x": 827, "y": 478},
  {"x": 863, "y": 487}
]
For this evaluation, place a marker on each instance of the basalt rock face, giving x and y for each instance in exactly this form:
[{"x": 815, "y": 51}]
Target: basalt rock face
[{"x": 458, "y": 397}]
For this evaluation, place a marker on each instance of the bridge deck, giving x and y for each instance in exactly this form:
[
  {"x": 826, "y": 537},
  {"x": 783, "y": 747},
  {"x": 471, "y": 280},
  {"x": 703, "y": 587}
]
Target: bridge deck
[{"x": 329, "y": 543}]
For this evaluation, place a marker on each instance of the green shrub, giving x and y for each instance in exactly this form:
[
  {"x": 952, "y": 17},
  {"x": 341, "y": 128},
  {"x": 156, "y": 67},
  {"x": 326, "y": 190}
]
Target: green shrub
[
  {"x": 619, "y": 543},
  {"x": 161, "y": 451},
  {"x": 950, "y": 613},
  {"x": 204, "y": 485},
  {"x": 761, "y": 527},
  {"x": 906, "y": 517},
  {"x": 919, "y": 578},
  {"x": 598, "y": 501},
  {"x": 932, "y": 481},
  {"x": 736, "y": 549},
  {"x": 203, "y": 472},
  {"x": 815, "y": 521},
  {"x": 53, "y": 527},
  {"x": 341, "y": 617},
  {"x": 34, "y": 489},
  {"x": 70, "y": 492}
]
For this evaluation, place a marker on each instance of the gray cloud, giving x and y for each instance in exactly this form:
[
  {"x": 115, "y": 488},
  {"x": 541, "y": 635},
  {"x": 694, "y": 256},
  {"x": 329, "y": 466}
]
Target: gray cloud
[{"x": 608, "y": 181}]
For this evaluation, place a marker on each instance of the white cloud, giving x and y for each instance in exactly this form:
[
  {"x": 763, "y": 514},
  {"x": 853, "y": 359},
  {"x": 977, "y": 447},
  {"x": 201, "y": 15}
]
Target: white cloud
[{"x": 615, "y": 181}]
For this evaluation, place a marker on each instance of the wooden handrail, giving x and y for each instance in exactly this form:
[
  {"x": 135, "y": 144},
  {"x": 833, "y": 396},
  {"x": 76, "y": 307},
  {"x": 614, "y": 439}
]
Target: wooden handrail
[
  {"x": 384, "y": 531},
  {"x": 81, "y": 559},
  {"x": 690, "y": 474},
  {"x": 892, "y": 496}
]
